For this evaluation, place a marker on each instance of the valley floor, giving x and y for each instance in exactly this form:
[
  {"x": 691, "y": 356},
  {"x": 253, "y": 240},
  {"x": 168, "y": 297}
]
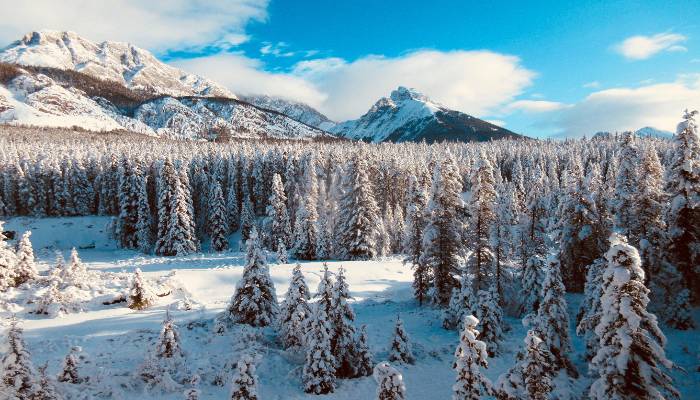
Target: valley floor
[{"x": 115, "y": 339}]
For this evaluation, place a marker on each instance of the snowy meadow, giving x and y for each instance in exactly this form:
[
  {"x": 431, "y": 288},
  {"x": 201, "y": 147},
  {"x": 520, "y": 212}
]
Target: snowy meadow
[{"x": 138, "y": 267}]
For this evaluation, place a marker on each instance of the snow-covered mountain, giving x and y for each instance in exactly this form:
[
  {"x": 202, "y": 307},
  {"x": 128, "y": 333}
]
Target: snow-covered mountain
[
  {"x": 408, "y": 115},
  {"x": 120, "y": 62},
  {"x": 648, "y": 131},
  {"x": 299, "y": 111},
  {"x": 52, "y": 97}
]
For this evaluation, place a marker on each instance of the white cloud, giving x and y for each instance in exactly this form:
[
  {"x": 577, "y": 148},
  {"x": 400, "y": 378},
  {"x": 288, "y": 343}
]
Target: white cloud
[
  {"x": 535, "y": 106},
  {"x": 496, "y": 122},
  {"x": 276, "y": 49},
  {"x": 474, "y": 82},
  {"x": 591, "y": 85},
  {"x": 642, "y": 47},
  {"x": 156, "y": 24},
  {"x": 244, "y": 76},
  {"x": 658, "y": 105}
]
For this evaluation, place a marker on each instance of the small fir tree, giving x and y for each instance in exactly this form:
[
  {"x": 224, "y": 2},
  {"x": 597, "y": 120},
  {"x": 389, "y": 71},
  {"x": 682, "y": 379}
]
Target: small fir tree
[
  {"x": 400, "y": 348},
  {"x": 389, "y": 381},
  {"x": 364, "y": 360},
  {"x": 245, "y": 381},
  {"x": 318, "y": 374},
  {"x": 25, "y": 268},
  {"x": 141, "y": 296},
  {"x": 470, "y": 357}
]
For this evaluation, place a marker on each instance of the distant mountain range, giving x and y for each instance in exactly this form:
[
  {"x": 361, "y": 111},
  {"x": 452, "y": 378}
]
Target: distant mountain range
[
  {"x": 409, "y": 116},
  {"x": 647, "y": 131},
  {"x": 52, "y": 78}
]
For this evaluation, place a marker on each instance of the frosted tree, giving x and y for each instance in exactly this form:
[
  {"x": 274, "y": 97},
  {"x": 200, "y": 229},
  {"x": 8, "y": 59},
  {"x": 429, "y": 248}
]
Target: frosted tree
[
  {"x": 128, "y": 204},
  {"x": 25, "y": 267},
  {"x": 531, "y": 290},
  {"x": 216, "y": 220},
  {"x": 364, "y": 360},
  {"x": 295, "y": 313},
  {"x": 144, "y": 236},
  {"x": 245, "y": 381},
  {"x": 442, "y": 238},
  {"x": 18, "y": 373},
  {"x": 343, "y": 337},
  {"x": 52, "y": 303},
  {"x": 45, "y": 389},
  {"x": 233, "y": 215},
  {"x": 141, "y": 295},
  {"x": 490, "y": 315},
  {"x": 305, "y": 225},
  {"x": 482, "y": 218},
  {"x": 626, "y": 188},
  {"x": 254, "y": 302},
  {"x": 176, "y": 234},
  {"x": 282, "y": 257},
  {"x": 532, "y": 230},
  {"x": 318, "y": 374},
  {"x": 462, "y": 303},
  {"x": 247, "y": 218},
  {"x": 413, "y": 238},
  {"x": 277, "y": 221},
  {"x": 8, "y": 260},
  {"x": 589, "y": 313},
  {"x": 552, "y": 322},
  {"x": 69, "y": 369},
  {"x": 389, "y": 381},
  {"x": 76, "y": 272},
  {"x": 683, "y": 214},
  {"x": 324, "y": 246},
  {"x": 470, "y": 357},
  {"x": 400, "y": 349},
  {"x": 360, "y": 225},
  {"x": 324, "y": 293},
  {"x": 630, "y": 361},
  {"x": 531, "y": 375},
  {"x": 168, "y": 345}
]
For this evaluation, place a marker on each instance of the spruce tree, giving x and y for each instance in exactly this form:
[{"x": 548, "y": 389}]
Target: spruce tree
[
  {"x": 69, "y": 369},
  {"x": 305, "y": 226},
  {"x": 630, "y": 361},
  {"x": 25, "y": 268},
  {"x": 247, "y": 218},
  {"x": 531, "y": 375},
  {"x": 364, "y": 360},
  {"x": 360, "y": 225},
  {"x": 128, "y": 205},
  {"x": 295, "y": 313},
  {"x": 400, "y": 348},
  {"x": 255, "y": 301},
  {"x": 282, "y": 257},
  {"x": 470, "y": 357},
  {"x": 318, "y": 374},
  {"x": 490, "y": 315},
  {"x": 589, "y": 313},
  {"x": 245, "y": 381},
  {"x": 18, "y": 373},
  {"x": 343, "y": 337},
  {"x": 277, "y": 222},
  {"x": 462, "y": 303},
  {"x": 683, "y": 214},
  {"x": 216, "y": 221},
  {"x": 442, "y": 238},
  {"x": 626, "y": 188},
  {"x": 531, "y": 292},
  {"x": 176, "y": 234},
  {"x": 141, "y": 296},
  {"x": 389, "y": 381},
  {"x": 482, "y": 218},
  {"x": 168, "y": 345},
  {"x": 413, "y": 238},
  {"x": 144, "y": 236},
  {"x": 8, "y": 260}
]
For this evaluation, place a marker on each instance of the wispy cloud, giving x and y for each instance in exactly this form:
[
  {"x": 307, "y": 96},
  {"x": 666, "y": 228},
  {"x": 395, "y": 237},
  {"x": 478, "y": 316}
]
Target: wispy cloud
[
  {"x": 591, "y": 85},
  {"x": 279, "y": 49},
  {"x": 642, "y": 47},
  {"x": 534, "y": 106}
]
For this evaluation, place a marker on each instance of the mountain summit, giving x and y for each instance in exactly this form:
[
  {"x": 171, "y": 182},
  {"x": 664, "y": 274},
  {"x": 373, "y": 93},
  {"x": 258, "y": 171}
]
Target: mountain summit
[
  {"x": 408, "y": 115},
  {"x": 119, "y": 62}
]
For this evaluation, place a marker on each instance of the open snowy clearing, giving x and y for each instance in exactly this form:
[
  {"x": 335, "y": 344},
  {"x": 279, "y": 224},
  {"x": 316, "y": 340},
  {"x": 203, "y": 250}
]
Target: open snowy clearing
[{"x": 115, "y": 339}]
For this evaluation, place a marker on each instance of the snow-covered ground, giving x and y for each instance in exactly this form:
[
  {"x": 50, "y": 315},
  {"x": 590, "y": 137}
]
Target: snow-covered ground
[{"x": 115, "y": 339}]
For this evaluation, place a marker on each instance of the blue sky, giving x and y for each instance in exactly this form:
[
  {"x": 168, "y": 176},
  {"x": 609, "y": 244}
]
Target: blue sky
[{"x": 545, "y": 68}]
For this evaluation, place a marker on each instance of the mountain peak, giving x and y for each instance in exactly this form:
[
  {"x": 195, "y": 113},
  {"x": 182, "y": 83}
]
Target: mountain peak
[{"x": 403, "y": 93}]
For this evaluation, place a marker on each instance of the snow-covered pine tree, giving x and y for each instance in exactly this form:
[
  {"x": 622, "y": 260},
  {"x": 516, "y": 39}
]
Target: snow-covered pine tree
[
  {"x": 324, "y": 243},
  {"x": 176, "y": 234},
  {"x": 295, "y": 313},
  {"x": 343, "y": 337},
  {"x": 413, "y": 238},
  {"x": 442, "y": 237},
  {"x": 462, "y": 303},
  {"x": 400, "y": 348},
  {"x": 282, "y": 256},
  {"x": 128, "y": 204},
  {"x": 233, "y": 215},
  {"x": 482, "y": 218},
  {"x": 364, "y": 360},
  {"x": 254, "y": 302},
  {"x": 277, "y": 221},
  {"x": 25, "y": 267},
  {"x": 318, "y": 374},
  {"x": 144, "y": 223},
  {"x": 490, "y": 315},
  {"x": 305, "y": 228},
  {"x": 216, "y": 221},
  {"x": 248, "y": 222},
  {"x": 470, "y": 357},
  {"x": 532, "y": 230},
  {"x": 552, "y": 322},
  {"x": 45, "y": 389},
  {"x": 8, "y": 260},
  {"x": 69, "y": 369},
  {"x": 76, "y": 272},
  {"x": 589, "y": 313},
  {"x": 245, "y": 381},
  {"x": 531, "y": 375},
  {"x": 168, "y": 345},
  {"x": 360, "y": 225},
  {"x": 141, "y": 296},
  {"x": 683, "y": 214},
  {"x": 18, "y": 373},
  {"x": 531, "y": 280},
  {"x": 324, "y": 294},
  {"x": 52, "y": 302},
  {"x": 630, "y": 361},
  {"x": 389, "y": 381},
  {"x": 626, "y": 188}
]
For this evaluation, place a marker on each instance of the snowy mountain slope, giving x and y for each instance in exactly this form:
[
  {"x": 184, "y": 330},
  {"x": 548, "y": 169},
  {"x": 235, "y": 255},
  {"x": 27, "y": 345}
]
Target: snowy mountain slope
[
  {"x": 648, "y": 131},
  {"x": 120, "y": 62},
  {"x": 408, "y": 115},
  {"x": 32, "y": 97},
  {"x": 298, "y": 111}
]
